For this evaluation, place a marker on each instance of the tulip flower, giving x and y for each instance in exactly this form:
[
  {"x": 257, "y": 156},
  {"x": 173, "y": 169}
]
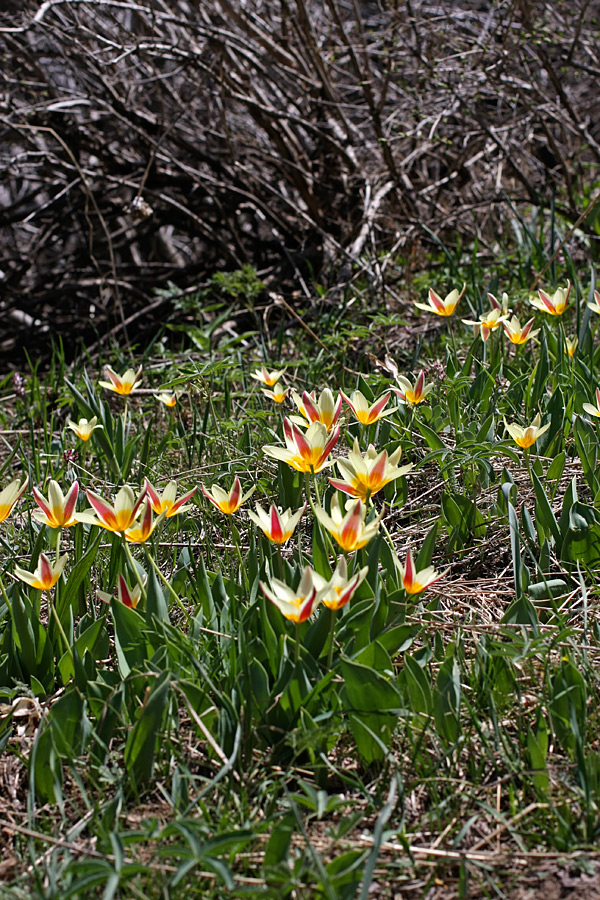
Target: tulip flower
[
  {"x": 595, "y": 304},
  {"x": 441, "y": 307},
  {"x": 268, "y": 378},
  {"x": 325, "y": 410},
  {"x": 166, "y": 502},
  {"x": 10, "y": 495},
  {"x": 554, "y": 305},
  {"x": 415, "y": 582},
  {"x": 487, "y": 322},
  {"x": 57, "y": 511},
  {"x": 83, "y": 429},
  {"x": 526, "y": 437},
  {"x": 364, "y": 476},
  {"x": 366, "y": 414},
  {"x": 295, "y": 605},
  {"x": 501, "y": 304},
  {"x": 571, "y": 345},
  {"x": 593, "y": 410},
  {"x": 126, "y": 595},
  {"x": 168, "y": 398},
  {"x": 350, "y": 531},
  {"x": 278, "y": 527},
  {"x": 227, "y": 503},
  {"x": 413, "y": 394},
  {"x": 340, "y": 589},
  {"x": 278, "y": 394},
  {"x": 305, "y": 452},
  {"x": 118, "y": 517},
  {"x": 142, "y": 528},
  {"x": 45, "y": 575},
  {"x": 122, "y": 384},
  {"x": 516, "y": 334}
]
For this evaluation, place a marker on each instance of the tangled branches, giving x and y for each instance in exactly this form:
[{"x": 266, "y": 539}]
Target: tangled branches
[{"x": 145, "y": 142}]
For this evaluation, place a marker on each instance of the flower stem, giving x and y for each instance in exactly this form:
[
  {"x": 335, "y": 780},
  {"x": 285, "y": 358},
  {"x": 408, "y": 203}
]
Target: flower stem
[
  {"x": 452, "y": 338},
  {"x": 332, "y": 619},
  {"x": 61, "y": 630},
  {"x": 167, "y": 584},
  {"x": 235, "y": 536},
  {"x": 134, "y": 568},
  {"x": 309, "y": 492}
]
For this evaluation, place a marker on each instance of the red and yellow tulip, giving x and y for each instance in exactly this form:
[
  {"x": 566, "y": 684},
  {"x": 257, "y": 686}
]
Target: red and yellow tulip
[
  {"x": 227, "y": 502},
  {"x": 554, "y": 305},
  {"x": 526, "y": 437},
  {"x": 10, "y": 495},
  {"x": 517, "y": 334},
  {"x": 306, "y": 452},
  {"x": 364, "y": 476},
  {"x": 415, "y": 582},
  {"x": 57, "y": 511},
  {"x": 45, "y": 575},
  {"x": 441, "y": 307},
  {"x": 410, "y": 393},
  {"x": 167, "y": 398},
  {"x": 84, "y": 429},
  {"x": 278, "y": 527},
  {"x": 122, "y": 384},
  {"x": 167, "y": 502},
  {"x": 325, "y": 410},
  {"x": 266, "y": 377},
  {"x": 295, "y": 605},
  {"x": 487, "y": 322},
  {"x": 117, "y": 517},
  {"x": 340, "y": 589},
  {"x": 128, "y": 596},
  {"x": 350, "y": 531},
  {"x": 278, "y": 394},
  {"x": 365, "y": 413}
]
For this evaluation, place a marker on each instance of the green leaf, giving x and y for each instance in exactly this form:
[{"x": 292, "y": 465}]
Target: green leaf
[
  {"x": 77, "y": 575},
  {"x": 140, "y": 748},
  {"x": 156, "y": 605},
  {"x": 446, "y": 701},
  {"x": 370, "y": 700},
  {"x": 259, "y": 684},
  {"x": 319, "y": 552},
  {"x": 556, "y": 467},
  {"x": 515, "y": 546},
  {"x": 85, "y": 641},
  {"x": 130, "y": 642},
  {"x": 278, "y": 845},
  {"x": 62, "y": 736},
  {"x": 522, "y": 612},
  {"x": 544, "y": 516},
  {"x": 567, "y": 706},
  {"x": 425, "y": 554},
  {"x": 418, "y": 685},
  {"x": 544, "y": 590},
  {"x": 432, "y": 439}
]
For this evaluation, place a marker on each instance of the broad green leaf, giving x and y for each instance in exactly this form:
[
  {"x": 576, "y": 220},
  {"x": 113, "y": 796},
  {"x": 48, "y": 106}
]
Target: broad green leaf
[
  {"x": 140, "y": 748},
  {"x": 85, "y": 641},
  {"x": 130, "y": 642},
  {"x": 418, "y": 685},
  {"x": 446, "y": 701},
  {"x": 433, "y": 440},
  {"x": 156, "y": 605},
  {"x": 77, "y": 575},
  {"x": 371, "y": 699}
]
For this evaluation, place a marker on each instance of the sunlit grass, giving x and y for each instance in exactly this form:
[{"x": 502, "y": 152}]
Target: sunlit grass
[{"x": 360, "y": 679}]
